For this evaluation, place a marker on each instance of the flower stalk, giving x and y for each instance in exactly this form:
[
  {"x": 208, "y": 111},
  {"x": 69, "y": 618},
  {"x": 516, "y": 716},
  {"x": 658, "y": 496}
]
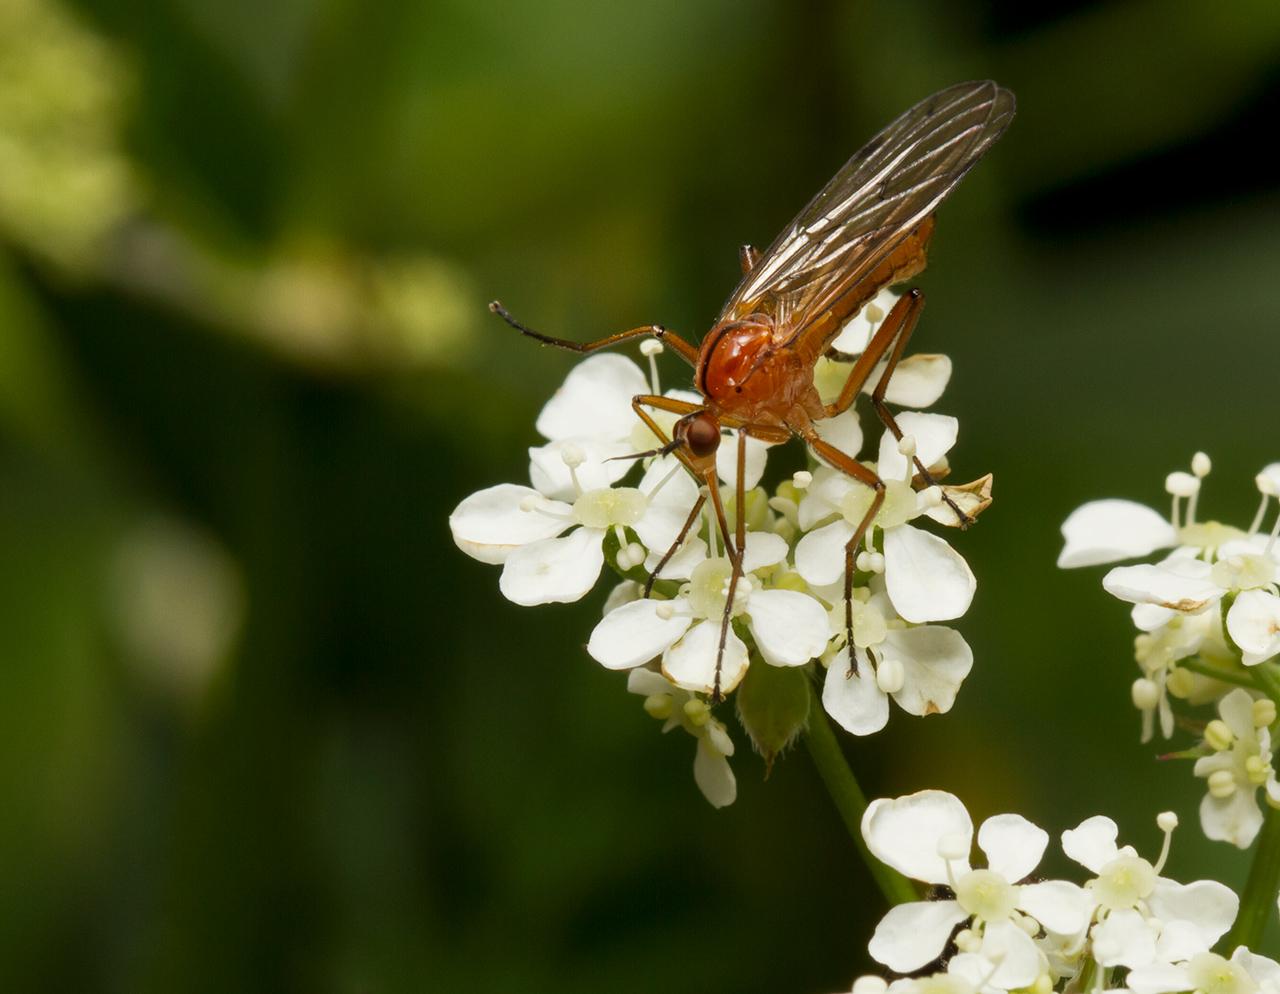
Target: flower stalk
[
  {"x": 1260, "y": 888},
  {"x": 849, "y": 800}
]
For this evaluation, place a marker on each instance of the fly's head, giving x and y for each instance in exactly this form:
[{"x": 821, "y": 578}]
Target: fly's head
[{"x": 699, "y": 434}]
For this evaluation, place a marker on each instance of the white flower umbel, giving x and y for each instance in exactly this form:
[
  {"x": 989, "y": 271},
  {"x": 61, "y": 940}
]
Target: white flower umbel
[
  {"x": 1239, "y": 764},
  {"x": 1142, "y": 917},
  {"x": 789, "y": 627},
  {"x": 678, "y": 708},
  {"x": 928, "y": 836},
  {"x": 925, "y": 578},
  {"x": 920, "y": 667},
  {"x": 523, "y": 528}
]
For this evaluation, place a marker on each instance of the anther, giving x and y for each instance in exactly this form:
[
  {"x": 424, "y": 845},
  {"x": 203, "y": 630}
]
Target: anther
[
  {"x": 1222, "y": 784},
  {"x": 1264, "y": 712},
  {"x": 1181, "y": 484},
  {"x": 1201, "y": 465},
  {"x": 1146, "y": 695},
  {"x": 802, "y": 479},
  {"x": 651, "y": 347}
]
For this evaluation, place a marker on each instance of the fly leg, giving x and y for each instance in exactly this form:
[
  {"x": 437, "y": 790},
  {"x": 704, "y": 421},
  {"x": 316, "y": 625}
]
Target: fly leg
[
  {"x": 735, "y": 554},
  {"x": 682, "y": 348},
  {"x": 851, "y": 467},
  {"x": 891, "y": 337}
]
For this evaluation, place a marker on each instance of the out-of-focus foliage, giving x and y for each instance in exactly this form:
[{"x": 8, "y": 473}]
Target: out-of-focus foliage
[{"x": 263, "y": 728}]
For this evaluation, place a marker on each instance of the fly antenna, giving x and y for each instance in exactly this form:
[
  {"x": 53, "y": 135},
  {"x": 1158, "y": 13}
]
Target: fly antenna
[
  {"x": 495, "y": 307},
  {"x": 667, "y": 449}
]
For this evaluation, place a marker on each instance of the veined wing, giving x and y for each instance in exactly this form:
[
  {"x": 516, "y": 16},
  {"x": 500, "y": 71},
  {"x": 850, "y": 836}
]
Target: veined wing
[{"x": 876, "y": 199}]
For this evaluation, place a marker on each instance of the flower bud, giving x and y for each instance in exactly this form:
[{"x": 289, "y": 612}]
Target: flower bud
[
  {"x": 890, "y": 676},
  {"x": 1217, "y": 735},
  {"x": 1146, "y": 695},
  {"x": 1180, "y": 683},
  {"x": 1222, "y": 784}
]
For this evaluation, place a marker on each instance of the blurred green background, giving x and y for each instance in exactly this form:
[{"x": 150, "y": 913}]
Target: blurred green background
[{"x": 262, "y": 728}]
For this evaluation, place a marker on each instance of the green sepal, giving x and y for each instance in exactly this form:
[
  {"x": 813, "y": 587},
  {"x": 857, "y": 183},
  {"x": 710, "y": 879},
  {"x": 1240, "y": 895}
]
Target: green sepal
[{"x": 773, "y": 706}]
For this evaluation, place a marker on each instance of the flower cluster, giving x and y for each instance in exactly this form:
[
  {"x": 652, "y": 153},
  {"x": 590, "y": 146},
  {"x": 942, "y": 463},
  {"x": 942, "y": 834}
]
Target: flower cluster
[
  {"x": 587, "y": 511},
  {"x": 999, "y": 929},
  {"x": 1208, "y": 618}
]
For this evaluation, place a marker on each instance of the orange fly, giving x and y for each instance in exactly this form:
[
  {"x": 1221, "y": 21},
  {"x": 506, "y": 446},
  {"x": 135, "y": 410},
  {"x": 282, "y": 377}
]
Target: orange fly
[{"x": 866, "y": 230}]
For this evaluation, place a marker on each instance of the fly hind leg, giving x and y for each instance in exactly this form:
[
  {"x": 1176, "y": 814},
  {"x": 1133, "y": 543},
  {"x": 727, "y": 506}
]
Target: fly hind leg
[{"x": 891, "y": 338}]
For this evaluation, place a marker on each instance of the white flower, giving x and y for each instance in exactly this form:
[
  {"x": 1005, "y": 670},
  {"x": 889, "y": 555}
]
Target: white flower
[
  {"x": 678, "y": 708},
  {"x": 919, "y": 667},
  {"x": 521, "y": 528},
  {"x": 928, "y": 836},
  {"x": 788, "y": 627},
  {"x": 925, "y": 578},
  {"x": 1253, "y": 622},
  {"x": 1144, "y": 917},
  {"x": 1208, "y": 973},
  {"x": 918, "y": 380},
  {"x": 1239, "y": 765}
]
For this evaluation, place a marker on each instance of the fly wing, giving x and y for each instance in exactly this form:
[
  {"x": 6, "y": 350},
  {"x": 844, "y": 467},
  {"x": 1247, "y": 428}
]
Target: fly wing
[{"x": 876, "y": 199}]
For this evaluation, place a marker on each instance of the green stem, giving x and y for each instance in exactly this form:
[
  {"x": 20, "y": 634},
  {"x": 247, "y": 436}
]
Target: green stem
[
  {"x": 1259, "y": 896},
  {"x": 1240, "y": 678},
  {"x": 849, "y": 800},
  {"x": 1266, "y": 680}
]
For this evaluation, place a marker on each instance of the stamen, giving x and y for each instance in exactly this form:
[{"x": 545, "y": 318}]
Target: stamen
[
  {"x": 573, "y": 457},
  {"x": 907, "y": 447},
  {"x": 652, "y": 348},
  {"x": 1262, "y": 512},
  {"x": 1181, "y": 484},
  {"x": 802, "y": 479},
  {"x": 1271, "y": 542},
  {"x": 1167, "y": 821},
  {"x": 664, "y": 481}
]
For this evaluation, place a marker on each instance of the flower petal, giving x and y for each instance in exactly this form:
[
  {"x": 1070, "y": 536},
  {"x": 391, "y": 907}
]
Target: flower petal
[
  {"x": 1254, "y": 624},
  {"x": 856, "y": 333},
  {"x": 1092, "y": 843},
  {"x": 594, "y": 400},
  {"x": 790, "y": 628},
  {"x": 1058, "y": 905},
  {"x": 843, "y": 431},
  {"x": 918, "y": 380},
  {"x": 911, "y": 935},
  {"x": 823, "y": 496},
  {"x": 668, "y": 509},
  {"x": 712, "y": 774},
  {"x": 1235, "y": 819},
  {"x": 927, "y": 580},
  {"x": 636, "y": 632},
  {"x": 763, "y": 549},
  {"x": 1124, "y": 938},
  {"x": 1236, "y": 710},
  {"x": 691, "y": 662},
  {"x": 905, "y": 832},
  {"x": 1012, "y": 844},
  {"x": 855, "y": 701},
  {"x": 1264, "y": 971},
  {"x": 820, "y": 554},
  {"x": 1160, "y": 978},
  {"x": 935, "y": 434},
  {"x": 555, "y": 570},
  {"x": 1179, "y": 587},
  {"x": 646, "y": 683},
  {"x": 1018, "y": 958},
  {"x": 681, "y": 565},
  {"x": 1106, "y": 531},
  {"x": 490, "y": 524},
  {"x": 935, "y": 661},
  {"x": 1207, "y": 906},
  {"x": 752, "y": 466},
  {"x": 549, "y": 473}
]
